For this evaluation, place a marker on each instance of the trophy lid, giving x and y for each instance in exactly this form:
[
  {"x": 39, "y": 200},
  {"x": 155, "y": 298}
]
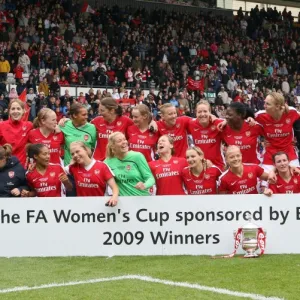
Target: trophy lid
[{"x": 250, "y": 225}]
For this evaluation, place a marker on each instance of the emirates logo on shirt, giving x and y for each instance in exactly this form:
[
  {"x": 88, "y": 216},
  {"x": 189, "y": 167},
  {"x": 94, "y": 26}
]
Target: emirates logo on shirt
[
  {"x": 85, "y": 137},
  {"x": 248, "y": 133},
  {"x": 128, "y": 167},
  {"x": 250, "y": 175},
  {"x": 288, "y": 121},
  {"x": 52, "y": 174},
  {"x": 11, "y": 174}
]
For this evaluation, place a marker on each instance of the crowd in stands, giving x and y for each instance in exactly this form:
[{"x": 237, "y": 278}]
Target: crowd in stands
[{"x": 242, "y": 61}]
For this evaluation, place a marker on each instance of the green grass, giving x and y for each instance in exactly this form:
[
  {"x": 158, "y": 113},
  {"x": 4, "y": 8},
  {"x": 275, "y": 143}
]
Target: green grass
[{"x": 270, "y": 275}]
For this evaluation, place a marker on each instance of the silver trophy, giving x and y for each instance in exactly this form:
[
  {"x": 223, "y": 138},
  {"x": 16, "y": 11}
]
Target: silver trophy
[{"x": 250, "y": 239}]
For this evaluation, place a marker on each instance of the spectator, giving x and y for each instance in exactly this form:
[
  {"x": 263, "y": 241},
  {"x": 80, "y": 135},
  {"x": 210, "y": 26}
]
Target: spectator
[
  {"x": 4, "y": 68},
  {"x": 21, "y": 86},
  {"x": 44, "y": 87},
  {"x": 24, "y": 61}
]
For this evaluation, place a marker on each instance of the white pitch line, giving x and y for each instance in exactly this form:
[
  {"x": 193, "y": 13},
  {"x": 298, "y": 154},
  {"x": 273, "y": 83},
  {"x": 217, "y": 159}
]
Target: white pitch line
[{"x": 142, "y": 278}]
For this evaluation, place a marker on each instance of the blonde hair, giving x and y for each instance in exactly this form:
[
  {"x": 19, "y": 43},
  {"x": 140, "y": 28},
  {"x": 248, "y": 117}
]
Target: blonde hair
[
  {"x": 204, "y": 102},
  {"x": 279, "y": 100},
  {"x": 230, "y": 148},
  {"x": 83, "y": 146},
  {"x": 165, "y": 106},
  {"x": 144, "y": 111},
  {"x": 111, "y": 142},
  {"x": 42, "y": 115},
  {"x": 200, "y": 153}
]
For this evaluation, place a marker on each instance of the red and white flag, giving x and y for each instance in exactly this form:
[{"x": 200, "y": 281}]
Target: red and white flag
[
  {"x": 87, "y": 8},
  {"x": 22, "y": 97},
  {"x": 195, "y": 85}
]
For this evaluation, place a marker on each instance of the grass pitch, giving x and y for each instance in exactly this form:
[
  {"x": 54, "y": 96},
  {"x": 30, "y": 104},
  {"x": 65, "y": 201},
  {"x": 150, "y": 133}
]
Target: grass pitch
[{"x": 270, "y": 276}]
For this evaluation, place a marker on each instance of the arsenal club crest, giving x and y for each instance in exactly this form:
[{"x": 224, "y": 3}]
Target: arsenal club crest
[
  {"x": 24, "y": 128},
  {"x": 97, "y": 172},
  {"x": 52, "y": 174},
  {"x": 213, "y": 127},
  {"x": 288, "y": 121},
  {"x": 55, "y": 138},
  {"x": 295, "y": 181},
  {"x": 128, "y": 167},
  {"x": 206, "y": 176},
  {"x": 177, "y": 125},
  {"x": 86, "y": 137},
  {"x": 250, "y": 175},
  {"x": 248, "y": 133},
  {"x": 119, "y": 123},
  {"x": 11, "y": 174}
]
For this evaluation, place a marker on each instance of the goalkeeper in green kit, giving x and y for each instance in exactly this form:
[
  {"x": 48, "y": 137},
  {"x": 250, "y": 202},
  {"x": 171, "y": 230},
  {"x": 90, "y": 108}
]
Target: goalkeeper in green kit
[
  {"x": 132, "y": 173},
  {"x": 77, "y": 129}
]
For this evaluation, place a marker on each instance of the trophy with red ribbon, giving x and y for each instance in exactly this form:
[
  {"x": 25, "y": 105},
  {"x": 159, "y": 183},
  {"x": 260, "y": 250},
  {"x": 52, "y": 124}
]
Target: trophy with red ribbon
[{"x": 251, "y": 237}]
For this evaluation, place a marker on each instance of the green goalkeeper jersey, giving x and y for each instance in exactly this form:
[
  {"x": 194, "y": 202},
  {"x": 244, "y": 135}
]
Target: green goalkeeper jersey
[
  {"x": 130, "y": 170},
  {"x": 86, "y": 133}
]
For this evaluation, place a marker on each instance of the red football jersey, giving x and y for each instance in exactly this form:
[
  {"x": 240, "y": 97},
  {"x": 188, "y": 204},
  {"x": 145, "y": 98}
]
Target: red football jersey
[
  {"x": 279, "y": 134},
  {"x": 178, "y": 132},
  {"x": 204, "y": 184},
  {"x": 144, "y": 142},
  {"x": 54, "y": 142},
  {"x": 16, "y": 134},
  {"x": 209, "y": 140},
  {"x": 47, "y": 185},
  {"x": 247, "y": 184},
  {"x": 283, "y": 187},
  {"x": 91, "y": 181},
  {"x": 168, "y": 176},
  {"x": 104, "y": 129},
  {"x": 246, "y": 139}
]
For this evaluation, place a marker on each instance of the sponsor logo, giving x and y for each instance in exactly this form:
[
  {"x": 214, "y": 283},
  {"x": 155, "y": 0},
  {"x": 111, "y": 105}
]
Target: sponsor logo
[
  {"x": 196, "y": 129},
  {"x": 233, "y": 183},
  {"x": 278, "y": 186},
  {"x": 175, "y": 161},
  {"x": 11, "y": 174},
  {"x": 43, "y": 179}
]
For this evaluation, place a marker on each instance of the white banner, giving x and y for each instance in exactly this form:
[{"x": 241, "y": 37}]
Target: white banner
[{"x": 188, "y": 225}]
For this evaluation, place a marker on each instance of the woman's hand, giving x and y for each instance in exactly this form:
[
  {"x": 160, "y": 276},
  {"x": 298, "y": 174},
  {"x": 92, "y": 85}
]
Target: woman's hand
[
  {"x": 24, "y": 193},
  {"x": 63, "y": 178},
  {"x": 153, "y": 124},
  {"x": 251, "y": 121},
  {"x": 140, "y": 186},
  {"x": 15, "y": 192},
  {"x": 63, "y": 121},
  {"x": 294, "y": 170},
  {"x": 268, "y": 192},
  {"x": 222, "y": 125},
  {"x": 112, "y": 202}
]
